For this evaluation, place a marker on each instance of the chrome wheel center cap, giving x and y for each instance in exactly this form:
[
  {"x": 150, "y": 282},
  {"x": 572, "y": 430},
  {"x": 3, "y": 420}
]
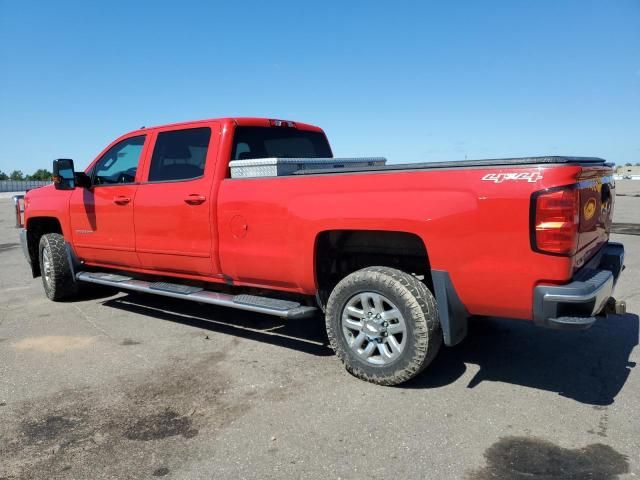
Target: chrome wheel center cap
[{"x": 372, "y": 328}]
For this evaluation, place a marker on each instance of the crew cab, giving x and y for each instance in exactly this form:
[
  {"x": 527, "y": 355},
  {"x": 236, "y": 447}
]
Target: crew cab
[{"x": 397, "y": 257}]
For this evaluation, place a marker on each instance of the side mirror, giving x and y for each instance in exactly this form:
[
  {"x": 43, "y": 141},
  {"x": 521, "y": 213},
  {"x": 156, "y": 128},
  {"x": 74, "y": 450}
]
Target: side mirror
[{"x": 63, "y": 174}]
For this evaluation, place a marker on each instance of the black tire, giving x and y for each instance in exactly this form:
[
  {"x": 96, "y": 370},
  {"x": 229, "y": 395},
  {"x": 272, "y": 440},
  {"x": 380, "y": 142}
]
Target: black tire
[
  {"x": 418, "y": 307},
  {"x": 58, "y": 280}
]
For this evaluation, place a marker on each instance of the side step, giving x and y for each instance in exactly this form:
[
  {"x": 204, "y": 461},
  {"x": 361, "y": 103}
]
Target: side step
[{"x": 252, "y": 303}]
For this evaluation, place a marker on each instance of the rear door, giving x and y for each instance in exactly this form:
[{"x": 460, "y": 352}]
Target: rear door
[
  {"x": 174, "y": 209},
  {"x": 102, "y": 216}
]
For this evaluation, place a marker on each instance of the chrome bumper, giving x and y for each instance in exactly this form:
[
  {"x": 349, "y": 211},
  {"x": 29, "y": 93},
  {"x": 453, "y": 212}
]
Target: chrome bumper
[
  {"x": 18, "y": 206},
  {"x": 577, "y": 304},
  {"x": 23, "y": 243}
]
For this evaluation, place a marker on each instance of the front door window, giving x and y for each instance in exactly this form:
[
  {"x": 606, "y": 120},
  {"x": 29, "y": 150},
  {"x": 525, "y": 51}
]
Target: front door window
[{"x": 120, "y": 164}]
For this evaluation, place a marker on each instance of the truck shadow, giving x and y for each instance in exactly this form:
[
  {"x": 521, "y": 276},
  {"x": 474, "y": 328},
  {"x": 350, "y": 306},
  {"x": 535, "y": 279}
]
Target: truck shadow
[
  {"x": 307, "y": 335},
  {"x": 590, "y": 366}
]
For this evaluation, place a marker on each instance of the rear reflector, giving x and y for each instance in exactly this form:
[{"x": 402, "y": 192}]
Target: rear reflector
[{"x": 555, "y": 218}]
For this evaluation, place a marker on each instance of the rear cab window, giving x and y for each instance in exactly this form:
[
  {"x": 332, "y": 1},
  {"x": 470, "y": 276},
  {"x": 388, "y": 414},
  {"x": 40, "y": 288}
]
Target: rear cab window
[
  {"x": 179, "y": 155},
  {"x": 267, "y": 142}
]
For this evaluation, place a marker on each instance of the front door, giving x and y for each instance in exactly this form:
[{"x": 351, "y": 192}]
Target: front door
[
  {"x": 102, "y": 216},
  {"x": 174, "y": 208}
]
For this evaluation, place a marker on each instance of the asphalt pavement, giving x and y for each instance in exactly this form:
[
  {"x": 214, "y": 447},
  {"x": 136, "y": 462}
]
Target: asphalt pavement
[{"x": 122, "y": 385}]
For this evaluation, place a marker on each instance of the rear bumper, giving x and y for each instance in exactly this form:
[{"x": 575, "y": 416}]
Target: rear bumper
[{"x": 576, "y": 305}]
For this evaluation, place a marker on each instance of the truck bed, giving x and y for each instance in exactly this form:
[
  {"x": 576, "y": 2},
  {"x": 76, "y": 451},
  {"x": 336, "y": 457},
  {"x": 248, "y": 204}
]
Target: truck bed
[{"x": 498, "y": 162}]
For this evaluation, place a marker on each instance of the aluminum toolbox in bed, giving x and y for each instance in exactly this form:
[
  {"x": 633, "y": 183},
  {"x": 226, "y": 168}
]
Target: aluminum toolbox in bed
[{"x": 277, "y": 167}]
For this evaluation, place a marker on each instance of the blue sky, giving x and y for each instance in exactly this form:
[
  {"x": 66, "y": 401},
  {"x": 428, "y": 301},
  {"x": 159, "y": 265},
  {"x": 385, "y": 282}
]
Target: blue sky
[{"x": 412, "y": 81}]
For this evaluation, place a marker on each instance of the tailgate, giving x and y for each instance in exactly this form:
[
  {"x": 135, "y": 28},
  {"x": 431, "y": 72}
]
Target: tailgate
[{"x": 597, "y": 195}]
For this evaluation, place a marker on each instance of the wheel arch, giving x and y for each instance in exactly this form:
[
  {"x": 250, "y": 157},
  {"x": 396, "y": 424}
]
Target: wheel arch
[
  {"x": 37, "y": 227},
  {"x": 339, "y": 252}
]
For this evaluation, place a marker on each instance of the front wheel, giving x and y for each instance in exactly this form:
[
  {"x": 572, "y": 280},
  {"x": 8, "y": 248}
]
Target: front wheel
[
  {"x": 383, "y": 324},
  {"x": 57, "y": 276}
]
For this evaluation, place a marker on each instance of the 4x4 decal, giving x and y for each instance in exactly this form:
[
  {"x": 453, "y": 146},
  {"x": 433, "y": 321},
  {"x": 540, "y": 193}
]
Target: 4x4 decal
[{"x": 531, "y": 177}]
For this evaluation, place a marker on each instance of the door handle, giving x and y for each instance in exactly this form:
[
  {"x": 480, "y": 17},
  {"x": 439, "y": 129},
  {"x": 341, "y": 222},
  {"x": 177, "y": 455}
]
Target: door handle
[
  {"x": 195, "y": 199},
  {"x": 121, "y": 200}
]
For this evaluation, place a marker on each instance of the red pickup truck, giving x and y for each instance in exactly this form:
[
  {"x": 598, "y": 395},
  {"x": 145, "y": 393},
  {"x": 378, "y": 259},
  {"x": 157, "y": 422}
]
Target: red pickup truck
[{"x": 397, "y": 257}]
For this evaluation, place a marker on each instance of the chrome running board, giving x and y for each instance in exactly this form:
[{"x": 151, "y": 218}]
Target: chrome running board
[{"x": 251, "y": 303}]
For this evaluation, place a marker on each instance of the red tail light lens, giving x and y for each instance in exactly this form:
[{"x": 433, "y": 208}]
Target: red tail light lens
[{"x": 556, "y": 217}]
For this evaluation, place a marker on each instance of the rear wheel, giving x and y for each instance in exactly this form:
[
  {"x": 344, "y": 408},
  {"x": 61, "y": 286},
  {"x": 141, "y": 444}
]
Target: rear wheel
[
  {"x": 57, "y": 276},
  {"x": 383, "y": 324}
]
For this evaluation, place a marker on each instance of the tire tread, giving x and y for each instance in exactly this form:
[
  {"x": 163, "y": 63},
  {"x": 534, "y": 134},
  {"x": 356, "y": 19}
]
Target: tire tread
[
  {"x": 63, "y": 284},
  {"x": 423, "y": 310}
]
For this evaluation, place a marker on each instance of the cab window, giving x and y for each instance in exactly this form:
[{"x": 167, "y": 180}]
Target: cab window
[
  {"x": 179, "y": 155},
  {"x": 120, "y": 163},
  {"x": 265, "y": 142}
]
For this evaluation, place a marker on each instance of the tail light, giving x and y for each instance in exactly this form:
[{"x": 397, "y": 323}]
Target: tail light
[{"x": 555, "y": 216}]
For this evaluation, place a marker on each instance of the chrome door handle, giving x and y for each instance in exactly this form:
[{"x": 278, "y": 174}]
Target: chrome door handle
[
  {"x": 195, "y": 199},
  {"x": 121, "y": 200}
]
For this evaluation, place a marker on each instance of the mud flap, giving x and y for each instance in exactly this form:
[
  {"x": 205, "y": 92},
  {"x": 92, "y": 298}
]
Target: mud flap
[{"x": 453, "y": 314}]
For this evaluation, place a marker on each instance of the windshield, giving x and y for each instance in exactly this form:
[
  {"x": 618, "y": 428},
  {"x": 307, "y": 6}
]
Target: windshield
[{"x": 265, "y": 142}]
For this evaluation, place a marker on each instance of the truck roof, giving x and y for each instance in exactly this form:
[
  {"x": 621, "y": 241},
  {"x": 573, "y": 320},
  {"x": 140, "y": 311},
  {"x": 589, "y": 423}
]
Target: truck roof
[{"x": 239, "y": 121}]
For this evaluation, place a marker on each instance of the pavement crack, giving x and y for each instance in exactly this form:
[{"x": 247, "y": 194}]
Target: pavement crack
[
  {"x": 142, "y": 357},
  {"x": 87, "y": 318}
]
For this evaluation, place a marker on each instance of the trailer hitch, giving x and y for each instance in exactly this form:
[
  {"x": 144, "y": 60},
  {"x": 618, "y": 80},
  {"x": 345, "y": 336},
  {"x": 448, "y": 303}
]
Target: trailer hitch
[{"x": 614, "y": 307}]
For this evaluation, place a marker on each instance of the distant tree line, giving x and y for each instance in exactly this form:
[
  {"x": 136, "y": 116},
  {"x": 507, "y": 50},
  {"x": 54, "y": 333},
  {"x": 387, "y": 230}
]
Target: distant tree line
[
  {"x": 628, "y": 164},
  {"x": 40, "y": 174}
]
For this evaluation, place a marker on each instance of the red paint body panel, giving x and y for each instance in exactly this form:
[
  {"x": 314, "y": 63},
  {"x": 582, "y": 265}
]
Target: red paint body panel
[
  {"x": 593, "y": 232},
  {"x": 262, "y": 232},
  {"x": 50, "y": 203},
  {"x": 476, "y": 230},
  {"x": 171, "y": 234},
  {"x": 101, "y": 218},
  {"x": 101, "y": 229}
]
